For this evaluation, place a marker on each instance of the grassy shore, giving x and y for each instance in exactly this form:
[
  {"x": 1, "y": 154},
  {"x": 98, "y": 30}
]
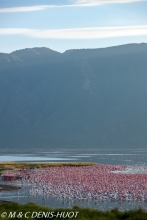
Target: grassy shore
[
  {"x": 33, "y": 211},
  {"x": 29, "y": 165}
]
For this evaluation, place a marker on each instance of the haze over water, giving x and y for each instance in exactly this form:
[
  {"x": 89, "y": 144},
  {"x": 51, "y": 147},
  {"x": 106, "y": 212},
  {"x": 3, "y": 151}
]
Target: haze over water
[{"x": 100, "y": 156}]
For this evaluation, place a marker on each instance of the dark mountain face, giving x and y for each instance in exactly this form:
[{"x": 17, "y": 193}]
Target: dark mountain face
[{"x": 81, "y": 98}]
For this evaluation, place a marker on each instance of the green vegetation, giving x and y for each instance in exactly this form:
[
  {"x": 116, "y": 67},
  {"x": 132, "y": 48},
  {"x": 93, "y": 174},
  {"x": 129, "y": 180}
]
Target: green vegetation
[
  {"x": 29, "y": 165},
  {"x": 32, "y": 209}
]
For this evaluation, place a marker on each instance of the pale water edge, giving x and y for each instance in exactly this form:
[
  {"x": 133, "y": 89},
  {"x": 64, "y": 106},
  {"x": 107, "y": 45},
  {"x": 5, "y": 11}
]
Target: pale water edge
[{"x": 101, "y": 156}]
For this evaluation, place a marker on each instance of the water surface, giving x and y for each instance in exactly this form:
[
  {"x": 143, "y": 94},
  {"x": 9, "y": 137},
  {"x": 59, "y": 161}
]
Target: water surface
[{"x": 129, "y": 157}]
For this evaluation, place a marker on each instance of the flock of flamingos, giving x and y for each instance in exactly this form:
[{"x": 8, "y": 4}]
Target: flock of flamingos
[{"x": 94, "y": 182}]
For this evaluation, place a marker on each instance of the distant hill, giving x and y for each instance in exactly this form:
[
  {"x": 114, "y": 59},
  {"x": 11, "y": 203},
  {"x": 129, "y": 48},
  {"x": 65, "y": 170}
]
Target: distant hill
[{"x": 80, "y": 98}]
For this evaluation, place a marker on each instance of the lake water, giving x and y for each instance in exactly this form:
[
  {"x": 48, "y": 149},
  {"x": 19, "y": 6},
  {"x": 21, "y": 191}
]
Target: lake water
[
  {"x": 105, "y": 156},
  {"x": 131, "y": 157}
]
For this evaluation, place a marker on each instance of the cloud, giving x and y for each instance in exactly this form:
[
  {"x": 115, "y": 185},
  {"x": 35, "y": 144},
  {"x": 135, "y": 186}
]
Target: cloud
[
  {"x": 78, "y": 33},
  {"x": 14, "y": 31},
  {"x": 28, "y": 8},
  {"x": 101, "y": 2},
  {"x": 74, "y": 3}
]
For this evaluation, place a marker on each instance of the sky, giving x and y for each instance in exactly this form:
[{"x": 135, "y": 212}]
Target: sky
[{"x": 71, "y": 24}]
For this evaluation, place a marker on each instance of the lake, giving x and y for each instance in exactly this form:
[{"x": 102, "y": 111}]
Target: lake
[{"x": 131, "y": 158}]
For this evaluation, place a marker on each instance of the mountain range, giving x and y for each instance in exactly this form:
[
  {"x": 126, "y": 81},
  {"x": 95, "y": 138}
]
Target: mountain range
[{"x": 77, "y": 99}]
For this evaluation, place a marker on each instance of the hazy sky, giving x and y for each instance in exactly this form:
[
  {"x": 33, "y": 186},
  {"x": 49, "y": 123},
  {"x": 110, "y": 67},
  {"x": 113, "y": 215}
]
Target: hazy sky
[{"x": 68, "y": 24}]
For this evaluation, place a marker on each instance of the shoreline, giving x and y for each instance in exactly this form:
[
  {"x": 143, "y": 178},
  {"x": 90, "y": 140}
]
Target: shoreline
[
  {"x": 32, "y": 165},
  {"x": 8, "y": 188}
]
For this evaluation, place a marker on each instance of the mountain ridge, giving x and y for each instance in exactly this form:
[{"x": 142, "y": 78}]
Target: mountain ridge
[
  {"x": 113, "y": 49},
  {"x": 87, "y": 98}
]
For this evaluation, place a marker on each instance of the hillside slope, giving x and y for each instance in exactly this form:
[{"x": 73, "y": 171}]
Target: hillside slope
[{"x": 81, "y": 98}]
